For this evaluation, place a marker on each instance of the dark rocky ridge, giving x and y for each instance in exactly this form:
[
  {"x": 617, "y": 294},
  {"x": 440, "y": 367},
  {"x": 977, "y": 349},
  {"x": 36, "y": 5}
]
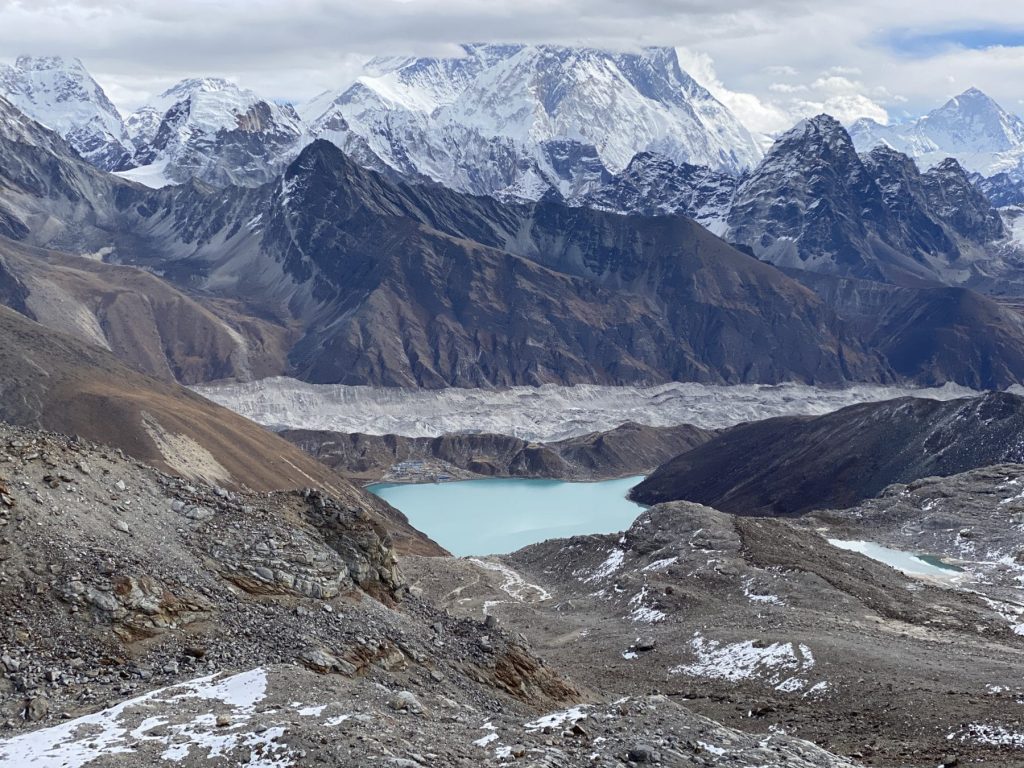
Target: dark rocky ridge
[
  {"x": 814, "y": 203},
  {"x": 626, "y": 450},
  {"x": 920, "y": 331},
  {"x": 792, "y": 465}
]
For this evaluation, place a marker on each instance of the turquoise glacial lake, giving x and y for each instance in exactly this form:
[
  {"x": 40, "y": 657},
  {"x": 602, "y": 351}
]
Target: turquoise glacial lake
[{"x": 496, "y": 516}]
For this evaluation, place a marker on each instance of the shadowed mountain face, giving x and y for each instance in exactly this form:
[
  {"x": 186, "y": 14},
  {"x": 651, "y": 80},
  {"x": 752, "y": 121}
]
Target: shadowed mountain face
[
  {"x": 814, "y": 203},
  {"x": 792, "y": 465},
  {"x": 553, "y": 295},
  {"x": 336, "y": 274},
  {"x": 924, "y": 333},
  {"x": 420, "y": 286}
]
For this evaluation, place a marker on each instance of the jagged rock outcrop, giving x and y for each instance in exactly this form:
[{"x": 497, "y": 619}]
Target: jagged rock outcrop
[
  {"x": 813, "y": 203},
  {"x": 653, "y": 185}
]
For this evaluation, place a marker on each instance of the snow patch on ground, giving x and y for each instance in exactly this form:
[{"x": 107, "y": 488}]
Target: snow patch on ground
[
  {"x": 558, "y": 719},
  {"x": 659, "y": 565},
  {"x": 112, "y": 731},
  {"x": 483, "y": 741},
  {"x": 754, "y": 597},
  {"x": 712, "y": 748},
  {"x": 746, "y": 660},
  {"x": 609, "y": 566},
  {"x": 993, "y": 735},
  {"x": 643, "y": 613}
]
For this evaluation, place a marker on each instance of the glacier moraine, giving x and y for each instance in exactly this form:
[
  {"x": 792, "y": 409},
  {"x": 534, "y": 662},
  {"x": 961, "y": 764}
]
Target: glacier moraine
[{"x": 545, "y": 413}]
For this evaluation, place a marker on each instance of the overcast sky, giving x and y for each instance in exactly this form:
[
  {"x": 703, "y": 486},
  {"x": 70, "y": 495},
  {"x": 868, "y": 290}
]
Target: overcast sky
[{"x": 771, "y": 61}]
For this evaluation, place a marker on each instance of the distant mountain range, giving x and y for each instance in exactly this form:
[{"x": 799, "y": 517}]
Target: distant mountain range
[
  {"x": 973, "y": 128},
  {"x": 63, "y": 96},
  {"x": 338, "y": 274},
  {"x": 511, "y": 120},
  {"x": 280, "y": 253}
]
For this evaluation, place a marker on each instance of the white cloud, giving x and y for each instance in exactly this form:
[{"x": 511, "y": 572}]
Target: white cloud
[{"x": 759, "y": 116}]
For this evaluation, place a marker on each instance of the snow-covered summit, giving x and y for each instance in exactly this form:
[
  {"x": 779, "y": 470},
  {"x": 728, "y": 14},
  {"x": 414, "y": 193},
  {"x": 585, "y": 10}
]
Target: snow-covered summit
[
  {"x": 215, "y": 130},
  {"x": 971, "y": 127},
  {"x": 61, "y": 94},
  {"x": 484, "y": 121}
]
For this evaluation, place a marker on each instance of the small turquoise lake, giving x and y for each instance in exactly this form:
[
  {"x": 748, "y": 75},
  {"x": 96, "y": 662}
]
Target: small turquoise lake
[{"x": 496, "y": 516}]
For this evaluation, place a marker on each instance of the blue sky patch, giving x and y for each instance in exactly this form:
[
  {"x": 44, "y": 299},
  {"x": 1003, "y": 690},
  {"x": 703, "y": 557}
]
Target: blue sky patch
[{"x": 917, "y": 43}]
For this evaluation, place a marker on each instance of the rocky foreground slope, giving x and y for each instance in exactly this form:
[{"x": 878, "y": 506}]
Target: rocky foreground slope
[
  {"x": 149, "y": 620},
  {"x": 791, "y": 465},
  {"x": 58, "y": 382},
  {"x": 763, "y": 626}
]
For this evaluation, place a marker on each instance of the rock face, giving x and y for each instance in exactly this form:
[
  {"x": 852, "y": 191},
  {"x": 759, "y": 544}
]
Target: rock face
[
  {"x": 813, "y": 203},
  {"x": 626, "y": 450},
  {"x": 790, "y": 466},
  {"x": 62, "y": 95},
  {"x": 1002, "y": 189}
]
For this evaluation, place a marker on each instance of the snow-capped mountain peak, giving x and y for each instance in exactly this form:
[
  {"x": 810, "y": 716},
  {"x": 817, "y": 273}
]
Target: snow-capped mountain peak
[
  {"x": 214, "y": 129},
  {"x": 971, "y": 127},
  {"x": 486, "y": 121},
  {"x": 61, "y": 94}
]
